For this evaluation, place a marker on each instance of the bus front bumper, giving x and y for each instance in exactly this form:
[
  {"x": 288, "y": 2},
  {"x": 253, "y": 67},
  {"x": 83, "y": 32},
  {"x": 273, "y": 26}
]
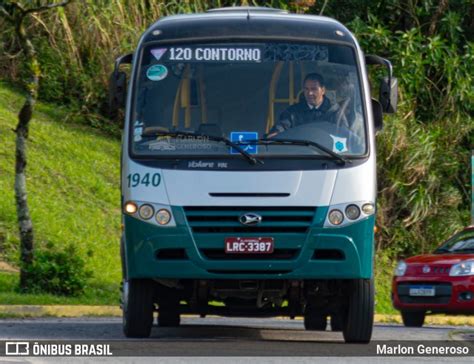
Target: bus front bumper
[{"x": 151, "y": 251}]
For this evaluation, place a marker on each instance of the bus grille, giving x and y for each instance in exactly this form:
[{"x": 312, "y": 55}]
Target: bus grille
[{"x": 280, "y": 219}]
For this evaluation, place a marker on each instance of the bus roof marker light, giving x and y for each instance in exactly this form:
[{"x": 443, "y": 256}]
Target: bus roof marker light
[{"x": 156, "y": 32}]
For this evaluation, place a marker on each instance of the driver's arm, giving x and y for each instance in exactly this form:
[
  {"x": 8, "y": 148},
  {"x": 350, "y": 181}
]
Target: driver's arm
[{"x": 283, "y": 124}]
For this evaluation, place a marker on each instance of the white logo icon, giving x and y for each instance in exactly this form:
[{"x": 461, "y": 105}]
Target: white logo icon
[
  {"x": 17, "y": 348},
  {"x": 250, "y": 219}
]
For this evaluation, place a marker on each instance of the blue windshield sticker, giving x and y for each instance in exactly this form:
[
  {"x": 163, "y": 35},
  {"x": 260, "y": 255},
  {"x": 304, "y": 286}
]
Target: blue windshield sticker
[
  {"x": 339, "y": 145},
  {"x": 157, "y": 72},
  {"x": 158, "y": 53},
  {"x": 241, "y": 138}
]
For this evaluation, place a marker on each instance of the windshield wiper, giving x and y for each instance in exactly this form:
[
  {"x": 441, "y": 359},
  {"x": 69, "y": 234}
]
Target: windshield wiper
[
  {"x": 339, "y": 159},
  {"x": 247, "y": 156}
]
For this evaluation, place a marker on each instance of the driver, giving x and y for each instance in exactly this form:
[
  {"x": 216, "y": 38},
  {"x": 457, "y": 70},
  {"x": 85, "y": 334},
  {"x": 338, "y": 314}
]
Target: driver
[{"x": 315, "y": 106}]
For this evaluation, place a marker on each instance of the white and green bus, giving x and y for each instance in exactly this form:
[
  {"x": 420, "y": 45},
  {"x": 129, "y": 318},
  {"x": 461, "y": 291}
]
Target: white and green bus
[{"x": 248, "y": 170}]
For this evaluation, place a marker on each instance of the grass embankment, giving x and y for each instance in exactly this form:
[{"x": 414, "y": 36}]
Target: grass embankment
[{"x": 73, "y": 195}]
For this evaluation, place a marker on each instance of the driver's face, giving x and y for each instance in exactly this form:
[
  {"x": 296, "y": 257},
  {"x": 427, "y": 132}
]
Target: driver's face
[{"x": 313, "y": 92}]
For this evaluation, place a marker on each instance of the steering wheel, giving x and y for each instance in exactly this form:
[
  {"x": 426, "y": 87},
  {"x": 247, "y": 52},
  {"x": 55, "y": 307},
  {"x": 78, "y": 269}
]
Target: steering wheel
[{"x": 321, "y": 132}]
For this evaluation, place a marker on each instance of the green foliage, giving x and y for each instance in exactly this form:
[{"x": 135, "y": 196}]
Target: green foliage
[
  {"x": 434, "y": 72},
  {"x": 384, "y": 267},
  {"x": 60, "y": 271},
  {"x": 73, "y": 191},
  {"x": 93, "y": 294}
]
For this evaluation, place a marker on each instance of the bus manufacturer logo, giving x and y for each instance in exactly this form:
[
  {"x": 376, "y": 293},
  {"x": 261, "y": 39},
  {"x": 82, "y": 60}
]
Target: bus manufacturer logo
[
  {"x": 426, "y": 269},
  {"x": 250, "y": 219}
]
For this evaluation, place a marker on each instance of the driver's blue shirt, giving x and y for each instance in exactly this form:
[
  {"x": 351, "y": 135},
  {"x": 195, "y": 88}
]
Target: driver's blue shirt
[{"x": 301, "y": 113}]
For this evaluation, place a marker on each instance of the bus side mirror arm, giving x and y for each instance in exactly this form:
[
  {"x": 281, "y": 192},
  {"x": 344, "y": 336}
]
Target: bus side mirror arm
[
  {"x": 118, "y": 84},
  {"x": 388, "y": 96}
]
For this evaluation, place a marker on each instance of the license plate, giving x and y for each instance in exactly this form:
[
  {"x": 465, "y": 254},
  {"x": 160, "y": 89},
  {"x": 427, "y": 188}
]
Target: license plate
[
  {"x": 249, "y": 245},
  {"x": 422, "y": 291}
]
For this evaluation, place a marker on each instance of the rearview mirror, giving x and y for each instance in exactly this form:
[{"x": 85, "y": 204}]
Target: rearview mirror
[
  {"x": 118, "y": 85},
  {"x": 389, "y": 94},
  {"x": 117, "y": 91}
]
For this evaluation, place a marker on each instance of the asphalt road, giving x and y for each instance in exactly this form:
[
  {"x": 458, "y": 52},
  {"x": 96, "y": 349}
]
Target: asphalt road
[
  {"x": 205, "y": 329},
  {"x": 218, "y": 336}
]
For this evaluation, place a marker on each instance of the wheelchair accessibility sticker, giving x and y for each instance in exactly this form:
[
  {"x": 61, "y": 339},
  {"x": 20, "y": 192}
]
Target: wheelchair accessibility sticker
[{"x": 240, "y": 137}]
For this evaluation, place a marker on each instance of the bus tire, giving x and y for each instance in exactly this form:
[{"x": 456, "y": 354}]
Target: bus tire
[
  {"x": 122, "y": 257},
  {"x": 314, "y": 321},
  {"x": 137, "y": 307},
  {"x": 413, "y": 318},
  {"x": 359, "y": 316}
]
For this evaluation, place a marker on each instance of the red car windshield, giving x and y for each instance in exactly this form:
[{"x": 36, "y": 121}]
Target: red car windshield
[{"x": 459, "y": 243}]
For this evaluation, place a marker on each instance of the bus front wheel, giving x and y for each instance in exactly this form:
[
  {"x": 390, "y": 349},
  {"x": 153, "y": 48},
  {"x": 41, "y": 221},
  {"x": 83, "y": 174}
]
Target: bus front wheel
[
  {"x": 359, "y": 316},
  {"x": 137, "y": 307}
]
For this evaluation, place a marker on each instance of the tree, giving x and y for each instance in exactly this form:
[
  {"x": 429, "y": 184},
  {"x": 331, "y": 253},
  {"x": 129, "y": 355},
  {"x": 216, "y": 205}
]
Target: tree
[{"x": 15, "y": 13}]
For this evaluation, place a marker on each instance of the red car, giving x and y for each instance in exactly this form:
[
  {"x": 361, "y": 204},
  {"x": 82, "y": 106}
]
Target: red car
[{"x": 441, "y": 282}]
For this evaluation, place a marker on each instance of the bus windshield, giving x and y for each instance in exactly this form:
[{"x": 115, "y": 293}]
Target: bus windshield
[{"x": 248, "y": 93}]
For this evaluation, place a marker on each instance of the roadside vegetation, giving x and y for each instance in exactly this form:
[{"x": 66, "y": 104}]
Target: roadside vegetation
[
  {"x": 73, "y": 187},
  {"x": 424, "y": 150}
]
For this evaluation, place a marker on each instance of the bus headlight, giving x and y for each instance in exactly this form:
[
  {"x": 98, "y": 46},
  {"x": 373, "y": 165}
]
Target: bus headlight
[
  {"x": 130, "y": 207},
  {"x": 336, "y": 217},
  {"x": 146, "y": 211},
  {"x": 344, "y": 214},
  {"x": 163, "y": 217},
  {"x": 352, "y": 212}
]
